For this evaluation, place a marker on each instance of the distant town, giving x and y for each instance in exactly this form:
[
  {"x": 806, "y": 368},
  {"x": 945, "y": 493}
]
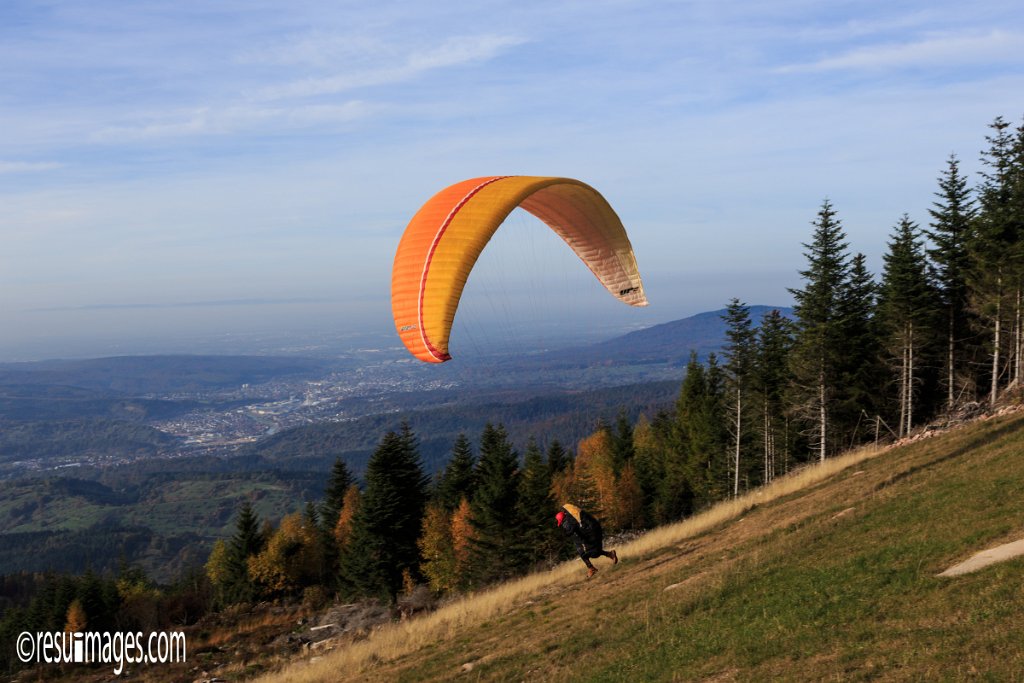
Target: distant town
[{"x": 267, "y": 408}]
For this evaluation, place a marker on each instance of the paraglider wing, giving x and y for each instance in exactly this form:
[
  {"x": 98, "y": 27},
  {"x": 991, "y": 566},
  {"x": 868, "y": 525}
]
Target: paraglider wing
[{"x": 444, "y": 239}]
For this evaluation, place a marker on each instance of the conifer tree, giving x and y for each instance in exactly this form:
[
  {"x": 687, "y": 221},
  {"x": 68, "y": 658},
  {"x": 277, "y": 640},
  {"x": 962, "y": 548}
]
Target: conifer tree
[
  {"x": 709, "y": 435},
  {"x": 906, "y": 303},
  {"x": 310, "y": 515},
  {"x": 678, "y": 482},
  {"x": 861, "y": 371},
  {"x": 537, "y": 507},
  {"x": 494, "y": 509},
  {"x": 338, "y": 483},
  {"x": 951, "y": 234},
  {"x": 771, "y": 372},
  {"x": 995, "y": 249},
  {"x": 701, "y": 475},
  {"x": 388, "y": 522},
  {"x": 458, "y": 480},
  {"x": 739, "y": 357},
  {"x": 1017, "y": 249},
  {"x": 558, "y": 459},
  {"x": 95, "y": 601},
  {"x": 1015, "y": 253},
  {"x": 334, "y": 494},
  {"x": 817, "y": 357},
  {"x": 622, "y": 440},
  {"x": 247, "y": 541}
]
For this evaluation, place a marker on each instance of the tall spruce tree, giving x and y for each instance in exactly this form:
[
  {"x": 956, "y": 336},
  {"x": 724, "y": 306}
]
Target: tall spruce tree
[
  {"x": 494, "y": 509},
  {"x": 388, "y": 522},
  {"x": 951, "y": 233},
  {"x": 558, "y": 459},
  {"x": 861, "y": 370},
  {"x": 338, "y": 483},
  {"x": 622, "y": 440},
  {"x": 1016, "y": 251},
  {"x": 773, "y": 344},
  {"x": 739, "y": 365},
  {"x": 818, "y": 354},
  {"x": 334, "y": 494},
  {"x": 669, "y": 469},
  {"x": 536, "y": 508},
  {"x": 906, "y": 304},
  {"x": 459, "y": 478},
  {"x": 703, "y": 440},
  {"x": 994, "y": 246},
  {"x": 247, "y": 541}
]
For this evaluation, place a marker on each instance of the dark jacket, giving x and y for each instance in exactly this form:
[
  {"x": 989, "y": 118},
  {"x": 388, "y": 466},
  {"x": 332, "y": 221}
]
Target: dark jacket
[{"x": 583, "y": 529}]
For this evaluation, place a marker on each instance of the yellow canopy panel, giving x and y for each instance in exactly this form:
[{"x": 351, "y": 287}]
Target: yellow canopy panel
[{"x": 444, "y": 239}]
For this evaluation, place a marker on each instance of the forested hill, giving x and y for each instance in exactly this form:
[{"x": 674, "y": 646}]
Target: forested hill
[{"x": 670, "y": 342}]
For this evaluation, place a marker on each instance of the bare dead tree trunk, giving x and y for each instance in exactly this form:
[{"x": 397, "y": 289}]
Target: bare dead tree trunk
[
  {"x": 785, "y": 452},
  {"x": 739, "y": 424},
  {"x": 1017, "y": 337},
  {"x": 765, "y": 440},
  {"x": 910, "y": 377},
  {"x": 996, "y": 341},
  {"x": 950, "y": 357},
  {"x": 822, "y": 413},
  {"x": 903, "y": 387}
]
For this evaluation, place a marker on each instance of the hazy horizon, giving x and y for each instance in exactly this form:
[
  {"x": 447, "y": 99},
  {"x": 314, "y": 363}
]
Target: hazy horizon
[{"x": 182, "y": 171}]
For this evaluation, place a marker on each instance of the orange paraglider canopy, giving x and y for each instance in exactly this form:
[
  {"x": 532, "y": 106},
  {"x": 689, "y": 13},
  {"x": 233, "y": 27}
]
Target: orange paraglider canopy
[{"x": 444, "y": 239}]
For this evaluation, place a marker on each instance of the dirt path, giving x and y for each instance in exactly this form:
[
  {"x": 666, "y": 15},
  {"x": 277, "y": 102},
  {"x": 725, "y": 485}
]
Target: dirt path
[{"x": 1001, "y": 553}]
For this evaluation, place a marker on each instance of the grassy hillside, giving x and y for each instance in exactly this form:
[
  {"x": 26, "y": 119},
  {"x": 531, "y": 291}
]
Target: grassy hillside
[{"x": 826, "y": 575}]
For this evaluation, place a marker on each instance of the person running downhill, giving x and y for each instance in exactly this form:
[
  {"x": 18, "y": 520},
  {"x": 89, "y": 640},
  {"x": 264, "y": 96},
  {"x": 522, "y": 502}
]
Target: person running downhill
[{"x": 585, "y": 531}]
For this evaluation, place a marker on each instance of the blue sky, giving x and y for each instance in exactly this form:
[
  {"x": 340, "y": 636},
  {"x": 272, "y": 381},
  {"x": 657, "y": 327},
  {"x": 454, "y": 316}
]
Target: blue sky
[{"x": 195, "y": 169}]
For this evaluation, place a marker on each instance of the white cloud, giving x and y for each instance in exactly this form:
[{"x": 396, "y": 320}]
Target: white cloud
[
  {"x": 947, "y": 50},
  {"x": 27, "y": 166},
  {"x": 236, "y": 119},
  {"x": 453, "y": 52}
]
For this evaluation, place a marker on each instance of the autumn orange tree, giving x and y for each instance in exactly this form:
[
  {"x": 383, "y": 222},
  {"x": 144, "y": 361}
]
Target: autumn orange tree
[
  {"x": 346, "y": 515},
  {"x": 604, "y": 487},
  {"x": 291, "y": 559},
  {"x": 436, "y": 549}
]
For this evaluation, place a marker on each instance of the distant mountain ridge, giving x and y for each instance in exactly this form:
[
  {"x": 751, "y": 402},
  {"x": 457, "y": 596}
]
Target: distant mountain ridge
[{"x": 669, "y": 343}]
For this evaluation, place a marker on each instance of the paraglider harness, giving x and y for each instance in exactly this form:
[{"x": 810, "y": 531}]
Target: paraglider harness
[{"x": 584, "y": 530}]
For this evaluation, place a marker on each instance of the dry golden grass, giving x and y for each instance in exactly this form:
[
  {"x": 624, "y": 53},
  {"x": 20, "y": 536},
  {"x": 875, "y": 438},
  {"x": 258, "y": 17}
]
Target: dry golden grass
[
  {"x": 399, "y": 639},
  {"x": 246, "y": 625}
]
